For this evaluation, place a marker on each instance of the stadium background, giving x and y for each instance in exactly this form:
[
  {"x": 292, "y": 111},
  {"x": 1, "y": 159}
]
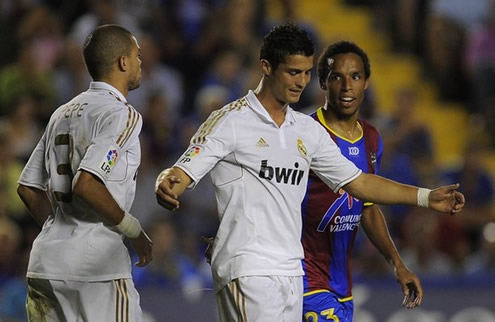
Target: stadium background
[{"x": 431, "y": 96}]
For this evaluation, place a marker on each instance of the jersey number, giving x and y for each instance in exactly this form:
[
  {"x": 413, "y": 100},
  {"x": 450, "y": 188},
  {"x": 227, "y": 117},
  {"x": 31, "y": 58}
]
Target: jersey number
[
  {"x": 328, "y": 314},
  {"x": 64, "y": 168}
]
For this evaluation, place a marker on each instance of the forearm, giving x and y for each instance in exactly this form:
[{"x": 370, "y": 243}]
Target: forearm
[
  {"x": 90, "y": 189},
  {"x": 36, "y": 201},
  {"x": 380, "y": 190},
  {"x": 375, "y": 227}
]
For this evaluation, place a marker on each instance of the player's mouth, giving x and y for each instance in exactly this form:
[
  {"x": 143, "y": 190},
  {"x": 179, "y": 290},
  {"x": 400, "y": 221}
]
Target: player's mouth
[{"x": 346, "y": 101}]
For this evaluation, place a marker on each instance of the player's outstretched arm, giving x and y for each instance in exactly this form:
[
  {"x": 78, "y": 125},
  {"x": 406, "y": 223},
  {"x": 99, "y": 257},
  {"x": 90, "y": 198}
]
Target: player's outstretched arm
[
  {"x": 375, "y": 227},
  {"x": 384, "y": 191},
  {"x": 90, "y": 189},
  {"x": 170, "y": 184},
  {"x": 36, "y": 201}
]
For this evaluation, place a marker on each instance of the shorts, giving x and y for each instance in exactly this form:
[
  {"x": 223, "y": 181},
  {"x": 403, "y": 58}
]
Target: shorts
[
  {"x": 55, "y": 300},
  {"x": 324, "y": 305},
  {"x": 261, "y": 298}
]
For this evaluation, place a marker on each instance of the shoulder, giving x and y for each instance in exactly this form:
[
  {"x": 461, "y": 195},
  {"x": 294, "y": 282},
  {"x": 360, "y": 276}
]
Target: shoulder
[{"x": 369, "y": 129}]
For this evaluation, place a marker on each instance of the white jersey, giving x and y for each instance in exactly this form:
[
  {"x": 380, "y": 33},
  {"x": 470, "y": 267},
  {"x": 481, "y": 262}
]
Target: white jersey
[
  {"x": 97, "y": 131},
  {"x": 260, "y": 172}
]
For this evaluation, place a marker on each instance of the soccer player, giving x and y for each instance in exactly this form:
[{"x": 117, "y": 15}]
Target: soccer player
[
  {"x": 79, "y": 184},
  {"x": 331, "y": 218},
  {"x": 259, "y": 152}
]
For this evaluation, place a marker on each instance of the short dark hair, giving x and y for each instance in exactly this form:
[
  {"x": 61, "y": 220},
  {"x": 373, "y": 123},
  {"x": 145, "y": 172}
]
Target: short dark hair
[
  {"x": 284, "y": 40},
  {"x": 104, "y": 46},
  {"x": 341, "y": 47}
]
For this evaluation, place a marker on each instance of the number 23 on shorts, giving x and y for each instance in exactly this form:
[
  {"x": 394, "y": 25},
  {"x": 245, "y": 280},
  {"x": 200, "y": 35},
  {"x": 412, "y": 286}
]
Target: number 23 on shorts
[{"x": 326, "y": 315}]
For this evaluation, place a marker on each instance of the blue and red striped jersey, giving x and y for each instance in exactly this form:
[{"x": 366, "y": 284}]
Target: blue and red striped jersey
[{"x": 331, "y": 220}]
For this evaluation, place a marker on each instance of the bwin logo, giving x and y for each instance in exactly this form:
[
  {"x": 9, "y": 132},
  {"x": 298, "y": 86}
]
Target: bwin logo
[
  {"x": 353, "y": 150},
  {"x": 284, "y": 175}
]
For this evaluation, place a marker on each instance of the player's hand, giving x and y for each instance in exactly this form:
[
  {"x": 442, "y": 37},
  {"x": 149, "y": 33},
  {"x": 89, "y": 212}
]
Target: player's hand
[
  {"x": 411, "y": 287},
  {"x": 143, "y": 246},
  {"x": 163, "y": 190},
  {"x": 447, "y": 199},
  {"x": 210, "y": 242}
]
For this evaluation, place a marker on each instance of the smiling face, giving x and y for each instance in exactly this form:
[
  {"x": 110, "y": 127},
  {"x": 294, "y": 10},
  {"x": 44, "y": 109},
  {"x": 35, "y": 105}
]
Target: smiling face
[
  {"x": 289, "y": 79},
  {"x": 345, "y": 84}
]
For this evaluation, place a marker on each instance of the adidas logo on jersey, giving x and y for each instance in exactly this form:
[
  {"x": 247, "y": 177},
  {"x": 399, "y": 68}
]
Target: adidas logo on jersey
[{"x": 262, "y": 143}]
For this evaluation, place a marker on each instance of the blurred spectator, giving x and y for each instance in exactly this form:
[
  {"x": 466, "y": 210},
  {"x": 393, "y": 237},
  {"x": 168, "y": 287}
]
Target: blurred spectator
[
  {"x": 408, "y": 151},
  {"x": 102, "y": 12},
  {"x": 157, "y": 78},
  {"x": 170, "y": 268},
  {"x": 477, "y": 186},
  {"x": 10, "y": 170},
  {"x": 13, "y": 263},
  {"x": 227, "y": 71},
  {"x": 447, "y": 26},
  {"x": 23, "y": 128},
  {"x": 480, "y": 66},
  {"x": 418, "y": 248},
  {"x": 71, "y": 77},
  {"x": 39, "y": 39},
  {"x": 482, "y": 262}
]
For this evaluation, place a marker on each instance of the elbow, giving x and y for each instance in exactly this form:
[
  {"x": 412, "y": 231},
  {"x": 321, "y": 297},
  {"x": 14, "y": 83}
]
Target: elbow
[{"x": 22, "y": 191}]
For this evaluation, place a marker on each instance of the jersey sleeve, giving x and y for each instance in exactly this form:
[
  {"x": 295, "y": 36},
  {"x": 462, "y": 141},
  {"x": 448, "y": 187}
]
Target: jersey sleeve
[
  {"x": 213, "y": 141},
  {"x": 34, "y": 173},
  {"x": 112, "y": 134},
  {"x": 329, "y": 164}
]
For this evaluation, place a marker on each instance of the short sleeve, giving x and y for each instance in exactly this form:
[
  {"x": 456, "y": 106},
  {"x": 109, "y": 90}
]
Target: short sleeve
[
  {"x": 213, "y": 141},
  {"x": 34, "y": 173},
  {"x": 112, "y": 133},
  {"x": 329, "y": 164}
]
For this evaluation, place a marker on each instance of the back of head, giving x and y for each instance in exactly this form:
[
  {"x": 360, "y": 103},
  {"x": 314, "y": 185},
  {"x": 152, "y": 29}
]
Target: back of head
[
  {"x": 103, "y": 48},
  {"x": 285, "y": 40},
  {"x": 340, "y": 47}
]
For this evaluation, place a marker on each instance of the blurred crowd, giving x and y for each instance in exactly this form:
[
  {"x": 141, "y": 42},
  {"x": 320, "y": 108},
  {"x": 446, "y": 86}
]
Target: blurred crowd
[{"x": 200, "y": 54}]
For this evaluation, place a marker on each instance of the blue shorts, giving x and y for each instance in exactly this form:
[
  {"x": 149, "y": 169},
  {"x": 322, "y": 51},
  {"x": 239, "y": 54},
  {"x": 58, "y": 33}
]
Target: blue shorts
[{"x": 324, "y": 305}]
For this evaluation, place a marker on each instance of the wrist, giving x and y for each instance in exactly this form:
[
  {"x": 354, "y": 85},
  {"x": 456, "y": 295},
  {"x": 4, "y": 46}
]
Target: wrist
[
  {"x": 129, "y": 226},
  {"x": 423, "y": 197}
]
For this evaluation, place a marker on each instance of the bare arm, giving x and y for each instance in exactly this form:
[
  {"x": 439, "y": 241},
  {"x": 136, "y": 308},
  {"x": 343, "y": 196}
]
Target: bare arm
[
  {"x": 36, "y": 201},
  {"x": 380, "y": 190},
  {"x": 90, "y": 189},
  {"x": 170, "y": 184},
  {"x": 375, "y": 227}
]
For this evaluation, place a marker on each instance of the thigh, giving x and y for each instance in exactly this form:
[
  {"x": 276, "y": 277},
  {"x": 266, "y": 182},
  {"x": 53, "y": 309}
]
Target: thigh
[
  {"x": 261, "y": 298},
  {"x": 115, "y": 300},
  {"x": 326, "y": 306},
  {"x": 42, "y": 304},
  {"x": 53, "y": 300}
]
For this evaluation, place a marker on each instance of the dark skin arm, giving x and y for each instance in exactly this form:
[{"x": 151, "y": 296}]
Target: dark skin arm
[
  {"x": 375, "y": 227},
  {"x": 90, "y": 189},
  {"x": 36, "y": 201}
]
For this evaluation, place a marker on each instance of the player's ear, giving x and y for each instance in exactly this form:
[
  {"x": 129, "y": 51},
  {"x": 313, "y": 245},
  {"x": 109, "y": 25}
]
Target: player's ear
[
  {"x": 323, "y": 85},
  {"x": 266, "y": 68},
  {"x": 122, "y": 63},
  {"x": 366, "y": 84}
]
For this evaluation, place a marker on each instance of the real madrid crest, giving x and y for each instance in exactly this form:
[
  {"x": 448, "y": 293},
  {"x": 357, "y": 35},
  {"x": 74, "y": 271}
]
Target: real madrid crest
[{"x": 301, "y": 148}]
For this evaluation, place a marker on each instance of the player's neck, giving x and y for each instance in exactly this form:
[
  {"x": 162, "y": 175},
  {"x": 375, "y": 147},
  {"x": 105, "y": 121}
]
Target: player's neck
[
  {"x": 348, "y": 128},
  {"x": 274, "y": 107}
]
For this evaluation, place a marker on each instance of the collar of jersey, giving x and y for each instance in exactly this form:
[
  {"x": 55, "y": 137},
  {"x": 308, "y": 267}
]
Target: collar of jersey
[
  {"x": 105, "y": 86},
  {"x": 256, "y": 105},
  {"x": 321, "y": 118}
]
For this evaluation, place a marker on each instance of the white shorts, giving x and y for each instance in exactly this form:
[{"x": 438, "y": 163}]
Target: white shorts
[
  {"x": 54, "y": 300},
  {"x": 261, "y": 298}
]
